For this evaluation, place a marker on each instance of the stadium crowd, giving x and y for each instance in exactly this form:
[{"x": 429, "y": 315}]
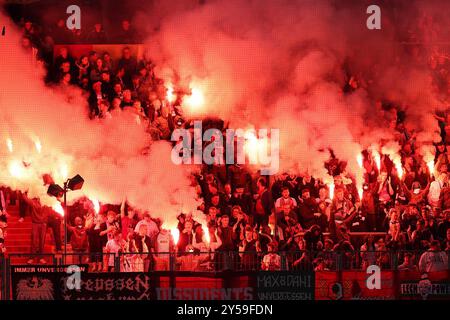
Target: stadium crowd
[{"x": 288, "y": 221}]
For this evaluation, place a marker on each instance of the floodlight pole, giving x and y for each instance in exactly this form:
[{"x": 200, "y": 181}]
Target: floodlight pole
[{"x": 65, "y": 221}]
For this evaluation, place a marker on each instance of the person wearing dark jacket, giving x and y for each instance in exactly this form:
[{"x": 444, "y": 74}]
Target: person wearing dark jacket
[
  {"x": 97, "y": 35},
  {"x": 54, "y": 223},
  {"x": 307, "y": 210},
  {"x": 248, "y": 251},
  {"x": 263, "y": 204},
  {"x": 97, "y": 239},
  {"x": 313, "y": 238},
  {"x": 38, "y": 227},
  {"x": 144, "y": 245}
]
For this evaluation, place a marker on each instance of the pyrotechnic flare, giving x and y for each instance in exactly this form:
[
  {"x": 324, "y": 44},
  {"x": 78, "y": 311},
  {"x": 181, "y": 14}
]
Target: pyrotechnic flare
[
  {"x": 331, "y": 190},
  {"x": 38, "y": 145},
  {"x": 171, "y": 97},
  {"x": 96, "y": 205},
  {"x": 398, "y": 167},
  {"x": 16, "y": 169},
  {"x": 377, "y": 158},
  {"x": 57, "y": 207},
  {"x": 9, "y": 145},
  {"x": 196, "y": 99},
  {"x": 360, "y": 192},
  {"x": 430, "y": 165},
  {"x": 359, "y": 159},
  {"x": 206, "y": 232},
  {"x": 175, "y": 234},
  {"x": 64, "y": 171}
]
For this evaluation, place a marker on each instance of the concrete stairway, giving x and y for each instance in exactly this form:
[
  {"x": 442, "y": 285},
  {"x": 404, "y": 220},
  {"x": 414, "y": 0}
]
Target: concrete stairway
[{"x": 18, "y": 238}]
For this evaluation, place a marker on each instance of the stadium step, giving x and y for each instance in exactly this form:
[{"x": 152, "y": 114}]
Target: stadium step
[{"x": 18, "y": 236}]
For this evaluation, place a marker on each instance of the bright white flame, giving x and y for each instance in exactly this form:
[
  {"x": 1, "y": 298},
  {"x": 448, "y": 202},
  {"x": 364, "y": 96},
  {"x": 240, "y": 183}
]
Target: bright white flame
[
  {"x": 57, "y": 207},
  {"x": 64, "y": 171},
  {"x": 430, "y": 165},
  {"x": 96, "y": 205},
  {"x": 360, "y": 192},
  {"x": 359, "y": 159},
  {"x": 196, "y": 99},
  {"x": 171, "y": 97},
  {"x": 398, "y": 166},
  {"x": 377, "y": 159},
  {"x": 16, "y": 169},
  {"x": 331, "y": 190},
  {"x": 253, "y": 146},
  {"x": 38, "y": 145},
  {"x": 175, "y": 234},
  {"x": 206, "y": 232},
  {"x": 9, "y": 144}
]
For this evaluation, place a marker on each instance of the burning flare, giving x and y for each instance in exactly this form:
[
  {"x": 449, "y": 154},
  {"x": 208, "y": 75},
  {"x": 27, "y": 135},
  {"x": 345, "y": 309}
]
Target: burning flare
[
  {"x": 253, "y": 146},
  {"x": 16, "y": 169},
  {"x": 398, "y": 166},
  {"x": 170, "y": 96},
  {"x": 206, "y": 233},
  {"x": 175, "y": 234},
  {"x": 9, "y": 144},
  {"x": 359, "y": 159},
  {"x": 96, "y": 205},
  {"x": 430, "y": 165},
  {"x": 64, "y": 171},
  {"x": 331, "y": 190},
  {"x": 377, "y": 158},
  {"x": 57, "y": 207},
  {"x": 360, "y": 192},
  {"x": 196, "y": 99},
  {"x": 38, "y": 145}
]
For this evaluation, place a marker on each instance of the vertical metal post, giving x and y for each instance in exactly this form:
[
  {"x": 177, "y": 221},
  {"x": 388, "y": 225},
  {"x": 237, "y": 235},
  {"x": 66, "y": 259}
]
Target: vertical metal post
[{"x": 65, "y": 222}]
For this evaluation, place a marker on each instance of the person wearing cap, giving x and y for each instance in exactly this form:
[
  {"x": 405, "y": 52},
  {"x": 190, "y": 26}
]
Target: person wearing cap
[{"x": 433, "y": 260}]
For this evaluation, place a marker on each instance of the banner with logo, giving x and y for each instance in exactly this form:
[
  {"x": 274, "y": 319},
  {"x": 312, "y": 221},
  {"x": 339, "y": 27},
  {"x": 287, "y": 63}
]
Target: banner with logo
[
  {"x": 354, "y": 285},
  {"x": 416, "y": 286},
  {"x": 54, "y": 283},
  {"x": 282, "y": 285}
]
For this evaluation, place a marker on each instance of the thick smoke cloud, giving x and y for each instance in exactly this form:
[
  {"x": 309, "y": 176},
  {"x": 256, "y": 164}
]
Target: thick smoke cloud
[
  {"x": 279, "y": 64},
  {"x": 112, "y": 155},
  {"x": 260, "y": 64}
]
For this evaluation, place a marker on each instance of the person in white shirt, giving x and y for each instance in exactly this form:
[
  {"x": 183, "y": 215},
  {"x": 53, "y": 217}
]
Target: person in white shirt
[
  {"x": 434, "y": 259},
  {"x": 271, "y": 261},
  {"x": 285, "y": 202},
  {"x": 152, "y": 227},
  {"x": 435, "y": 190},
  {"x": 113, "y": 247},
  {"x": 164, "y": 245}
]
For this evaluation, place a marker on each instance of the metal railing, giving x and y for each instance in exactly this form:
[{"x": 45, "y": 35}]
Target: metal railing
[{"x": 217, "y": 261}]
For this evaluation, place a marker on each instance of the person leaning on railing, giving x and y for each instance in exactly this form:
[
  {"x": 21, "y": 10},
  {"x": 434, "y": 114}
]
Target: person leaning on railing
[{"x": 433, "y": 260}]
